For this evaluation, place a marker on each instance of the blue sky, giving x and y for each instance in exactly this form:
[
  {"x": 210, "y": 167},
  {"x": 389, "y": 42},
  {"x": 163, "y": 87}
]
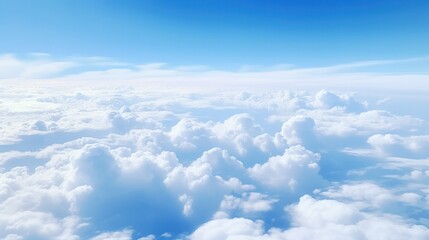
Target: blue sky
[{"x": 222, "y": 34}]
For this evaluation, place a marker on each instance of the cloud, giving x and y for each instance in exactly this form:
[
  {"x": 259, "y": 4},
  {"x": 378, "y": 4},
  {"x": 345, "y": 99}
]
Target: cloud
[
  {"x": 148, "y": 237},
  {"x": 299, "y": 130},
  {"x": 122, "y": 162},
  {"x": 12, "y": 67},
  {"x": 363, "y": 123},
  {"x": 188, "y": 132},
  {"x": 321, "y": 219},
  {"x": 372, "y": 63},
  {"x": 214, "y": 170},
  {"x": 330, "y": 219},
  {"x": 327, "y": 100},
  {"x": 318, "y": 214},
  {"x": 236, "y": 228},
  {"x": 396, "y": 145},
  {"x": 120, "y": 235},
  {"x": 288, "y": 171},
  {"x": 99, "y": 71},
  {"x": 366, "y": 193},
  {"x": 248, "y": 202}
]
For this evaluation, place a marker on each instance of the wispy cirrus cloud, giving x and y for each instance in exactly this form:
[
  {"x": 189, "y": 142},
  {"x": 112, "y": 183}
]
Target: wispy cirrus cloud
[{"x": 101, "y": 71}]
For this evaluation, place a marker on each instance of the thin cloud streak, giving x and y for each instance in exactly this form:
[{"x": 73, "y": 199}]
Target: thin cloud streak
[{"x": 159, "y": 76}]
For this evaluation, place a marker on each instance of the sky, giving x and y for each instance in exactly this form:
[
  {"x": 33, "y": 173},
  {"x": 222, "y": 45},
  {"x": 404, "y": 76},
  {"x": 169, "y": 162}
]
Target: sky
[
  {"x": 208, "y": 120},
  {"x": 220, "y": 34}
]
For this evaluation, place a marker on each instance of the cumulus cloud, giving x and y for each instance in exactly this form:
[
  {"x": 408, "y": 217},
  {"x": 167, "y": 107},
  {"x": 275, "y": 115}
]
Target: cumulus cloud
[
  {"x": 366, "y": 193},
  {"x": 120, "y": 235},
  {"x": 148, "y": 237},
  {"x": 331, "y": 219},
  {"x": 296, "y": 169},
  {"x": 325, "y": 99},
  {"x": 188, "y": 132},
  {"x": 247, "y": 203},
  {"x": 396, "y": 145},
  {"x": 236, "y": 228},
  {"x": 321, "y": 219},
  {"x": 126, "y": 163},
  {"x": 299, "y": 130},
  {"x": 214, "y": 170}
]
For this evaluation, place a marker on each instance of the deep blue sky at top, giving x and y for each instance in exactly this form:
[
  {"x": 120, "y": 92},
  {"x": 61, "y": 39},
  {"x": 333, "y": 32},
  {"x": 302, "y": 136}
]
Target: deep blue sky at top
[{"x": 218, "y": 33}]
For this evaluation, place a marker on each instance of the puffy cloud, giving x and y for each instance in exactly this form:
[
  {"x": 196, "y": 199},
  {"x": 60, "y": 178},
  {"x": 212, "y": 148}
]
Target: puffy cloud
[
  {"x": 38, "y": 225},
  {"x": 299, "y": 130},
  {"x": 295, "y": 170},
  {"x": 236, "y": 228},
  {"x": 189, "y": 132},
  {"x": 148, "y": 237},
  {"x": 210, "y": 166},
  {"x": 236, "y": 132},
  {"x": 336, "y": 122},
  {"x": 215, "y": 170},
  {"x": 270, "y": 144},
  {"x": 276, "y": 100},
  {"x": 90, "y": 162},
  {"x": 330, "y": 219},
  {"x": 327, "y": 100},
  {"x": 36, "y": 205},
  {"x": 144, "y": 166},
  {"x": 252, "y": 202},
  {"x": 120, "y": 235},
  {"x": 236, "y": 125},
  {"x": 395, "y": 145},
  {"x": 318, "y": 214},
  {"x": 239, "y": 128},
  {"x": 316, "y": 219},
  {"x": 366, "y": 193}
]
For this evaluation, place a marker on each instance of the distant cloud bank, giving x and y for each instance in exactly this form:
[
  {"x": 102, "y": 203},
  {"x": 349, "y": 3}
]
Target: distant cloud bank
[{"x": 41, "y": 69}]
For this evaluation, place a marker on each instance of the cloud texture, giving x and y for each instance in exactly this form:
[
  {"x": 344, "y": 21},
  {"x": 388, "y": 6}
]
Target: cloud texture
[{"x": 129, "y": 163}]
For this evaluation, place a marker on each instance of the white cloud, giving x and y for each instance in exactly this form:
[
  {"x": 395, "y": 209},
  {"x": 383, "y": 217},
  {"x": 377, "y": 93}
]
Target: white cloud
[
  {"x": 228, "y": 229},
  {"x": 366, "y": 193},
  {"x": 327, "y": 100},
  {"x": 159, "y": 76},
  {"x": 330, "y": 219},
  {"x": 396, "y": 145},
  {"x": 188, "y": 132},
  {"x": 215, "y": 170},
  {"x": 318, "y": 214},
  {"x": 316, "y": 219},
  {"x": 336, "y": 122},
  {"x": 12, "y": 67},
  {"x": 299, "y": 130},
  {"x": 119, "y": 235},
  {"x": 87, "y": 162},
  {"x": 251, "y": 202},
  {"x": 148, "y": 237},
  {"x": 296, "y": 169}
]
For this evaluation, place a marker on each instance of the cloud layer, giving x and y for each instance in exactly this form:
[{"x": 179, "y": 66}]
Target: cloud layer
[
  {"x": 45, "y": 70},
  {"x": 144, "y": 162},
  {"x": 129, "y": 163}
]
